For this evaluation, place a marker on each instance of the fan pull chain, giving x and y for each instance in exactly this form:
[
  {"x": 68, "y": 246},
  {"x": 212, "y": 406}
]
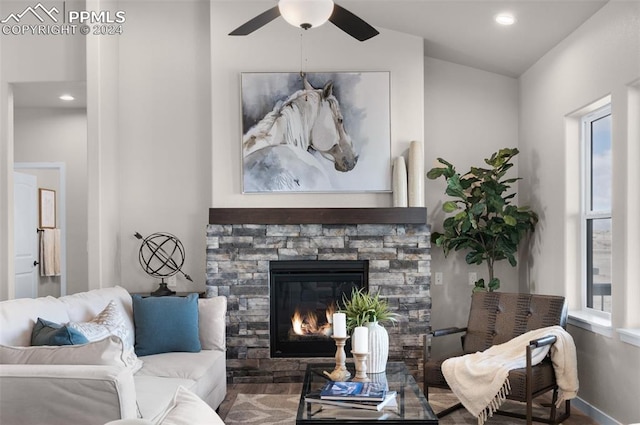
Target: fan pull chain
[
  {"x": 302, "y": 59},
  {"x": 301, "y": 53}
]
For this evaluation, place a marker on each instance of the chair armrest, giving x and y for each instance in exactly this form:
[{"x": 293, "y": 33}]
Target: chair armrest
[
  {"x": 438, "y": 333},
  {"x": 541, "y": 342},
  {"x": 447, "y": 331}
]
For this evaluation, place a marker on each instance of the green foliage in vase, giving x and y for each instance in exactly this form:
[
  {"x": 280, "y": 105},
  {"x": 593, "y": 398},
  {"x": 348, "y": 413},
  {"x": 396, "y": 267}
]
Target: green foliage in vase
[
  {"x": 484, "y": 221},
  {"x": 364, "y": 307}
]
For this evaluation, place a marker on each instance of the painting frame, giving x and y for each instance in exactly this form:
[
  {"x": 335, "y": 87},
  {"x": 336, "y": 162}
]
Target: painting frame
[
  {"x": 47, "y": 208},
  {"x": 355, "y": 157}
]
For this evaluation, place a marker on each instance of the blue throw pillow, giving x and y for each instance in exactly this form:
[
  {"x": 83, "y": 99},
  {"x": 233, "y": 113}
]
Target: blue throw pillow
[
  {"x": 166, "y": 324},
  {"x": 45, "y": 332}
]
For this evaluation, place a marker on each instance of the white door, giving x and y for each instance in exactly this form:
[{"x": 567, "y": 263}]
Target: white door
[{"x": 25, "y": 222}]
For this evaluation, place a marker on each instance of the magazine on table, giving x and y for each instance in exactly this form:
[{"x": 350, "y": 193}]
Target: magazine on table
[
  {"x": 389, "y": 402},
  {"x": 363, "y": 391}
]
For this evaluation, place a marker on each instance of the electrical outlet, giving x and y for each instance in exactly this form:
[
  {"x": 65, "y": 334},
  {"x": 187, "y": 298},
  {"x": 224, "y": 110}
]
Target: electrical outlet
[
  {"x": 473, "y": 277},
  {"x": 171, "y": 281},
  {"x": 438, "y": 280}
]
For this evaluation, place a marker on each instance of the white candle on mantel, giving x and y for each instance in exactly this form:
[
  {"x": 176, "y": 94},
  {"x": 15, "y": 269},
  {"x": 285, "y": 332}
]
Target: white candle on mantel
[
  {"x": 360, "y": 340},
  {"x": 340, "y": 325}
]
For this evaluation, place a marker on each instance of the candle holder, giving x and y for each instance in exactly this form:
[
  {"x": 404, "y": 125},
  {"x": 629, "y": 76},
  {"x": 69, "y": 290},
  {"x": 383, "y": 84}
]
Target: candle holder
[
  {"x": 340, "y": 373},
  {"x": 360, "y": 360}
]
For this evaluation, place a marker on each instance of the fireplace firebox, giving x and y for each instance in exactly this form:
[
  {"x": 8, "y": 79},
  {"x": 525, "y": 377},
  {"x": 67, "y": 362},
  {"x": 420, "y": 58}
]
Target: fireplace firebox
[{"x": 304, "y": 295}]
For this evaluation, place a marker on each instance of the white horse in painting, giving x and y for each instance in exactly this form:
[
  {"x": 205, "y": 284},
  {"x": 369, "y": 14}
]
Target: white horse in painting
[{"x": 279, "y": 151}]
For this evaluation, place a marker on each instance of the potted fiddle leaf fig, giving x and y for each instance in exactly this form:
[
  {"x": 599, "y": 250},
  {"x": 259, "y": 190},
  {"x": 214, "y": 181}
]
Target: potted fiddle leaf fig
[{"x": 483, "y": 220}]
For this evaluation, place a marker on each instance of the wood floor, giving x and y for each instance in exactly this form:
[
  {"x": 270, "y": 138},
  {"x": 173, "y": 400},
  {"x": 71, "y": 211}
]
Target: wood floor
[{"x": 576, "y": 418}]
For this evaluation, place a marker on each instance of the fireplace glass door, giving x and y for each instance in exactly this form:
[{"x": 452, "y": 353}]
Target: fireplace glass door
[{"x": 304, "y": 296}]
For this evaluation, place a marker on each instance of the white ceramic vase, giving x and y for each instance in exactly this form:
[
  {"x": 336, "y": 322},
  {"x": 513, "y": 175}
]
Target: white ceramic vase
[
  {"x": 399, "y": 182},
  {"x": 378, "y": 348}
]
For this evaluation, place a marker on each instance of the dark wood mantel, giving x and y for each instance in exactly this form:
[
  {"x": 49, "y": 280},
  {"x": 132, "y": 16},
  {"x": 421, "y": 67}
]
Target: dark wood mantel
[{"x": 410, "y": 215}]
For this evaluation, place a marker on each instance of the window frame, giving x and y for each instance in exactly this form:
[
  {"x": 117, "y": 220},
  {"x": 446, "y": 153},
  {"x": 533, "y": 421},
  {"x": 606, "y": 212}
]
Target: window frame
[{"x": 587, "y": 213}]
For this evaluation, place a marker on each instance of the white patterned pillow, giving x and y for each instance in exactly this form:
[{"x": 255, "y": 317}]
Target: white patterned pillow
[{"x": 109, "y": 322}]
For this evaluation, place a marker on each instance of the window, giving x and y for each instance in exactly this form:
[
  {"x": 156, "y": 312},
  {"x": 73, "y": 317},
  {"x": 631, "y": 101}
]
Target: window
[{"x": 597, "y": 170}]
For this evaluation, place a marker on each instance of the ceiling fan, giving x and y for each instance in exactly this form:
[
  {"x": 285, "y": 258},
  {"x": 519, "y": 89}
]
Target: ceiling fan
[{"x": 310, "y": 14}]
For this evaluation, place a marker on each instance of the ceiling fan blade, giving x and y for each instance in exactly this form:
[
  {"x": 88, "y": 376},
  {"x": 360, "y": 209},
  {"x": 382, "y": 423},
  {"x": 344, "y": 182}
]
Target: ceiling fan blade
[
  {"x": 351, "y": 24},
  {"x": 258, "y": 22}
]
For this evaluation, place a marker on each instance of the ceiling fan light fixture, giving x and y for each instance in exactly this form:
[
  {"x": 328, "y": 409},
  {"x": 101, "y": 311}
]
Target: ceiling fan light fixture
[{"x": 306, "y": 13}]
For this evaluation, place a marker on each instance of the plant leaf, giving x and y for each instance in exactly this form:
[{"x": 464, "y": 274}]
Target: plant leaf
[
  {"x": 494, "y": 284},
  {"x": 434, "y": 173},
  {"x": 511, "y": 221},
  {"x": 450, "y": 206}
]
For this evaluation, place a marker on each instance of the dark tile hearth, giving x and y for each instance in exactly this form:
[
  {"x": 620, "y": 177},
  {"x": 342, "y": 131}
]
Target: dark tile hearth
[{"x": 238, "y": 257}]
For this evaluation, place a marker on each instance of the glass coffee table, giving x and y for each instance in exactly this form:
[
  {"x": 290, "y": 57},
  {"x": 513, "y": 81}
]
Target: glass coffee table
[{"x": 411, "y": 405}]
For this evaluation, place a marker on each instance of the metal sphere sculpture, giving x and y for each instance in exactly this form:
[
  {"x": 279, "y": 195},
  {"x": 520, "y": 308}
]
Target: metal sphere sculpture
[{"x": 161, "y": 255}]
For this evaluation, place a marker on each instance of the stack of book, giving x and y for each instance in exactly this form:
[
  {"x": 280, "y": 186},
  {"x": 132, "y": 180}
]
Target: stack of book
[{"x": 359, "y": 395}]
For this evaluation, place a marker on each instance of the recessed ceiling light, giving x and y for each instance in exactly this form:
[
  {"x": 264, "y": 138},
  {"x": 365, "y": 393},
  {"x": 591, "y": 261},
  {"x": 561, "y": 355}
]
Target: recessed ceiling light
[
  {"x": 505, "y": 19},
  {"x": 66, "y": 97}
]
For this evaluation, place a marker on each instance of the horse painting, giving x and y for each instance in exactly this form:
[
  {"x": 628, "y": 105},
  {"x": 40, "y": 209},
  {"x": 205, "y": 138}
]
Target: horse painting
[{"x": 284, "y": 150}]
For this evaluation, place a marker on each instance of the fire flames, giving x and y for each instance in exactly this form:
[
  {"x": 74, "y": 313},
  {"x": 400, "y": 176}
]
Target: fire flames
[{"x": 307, "y": 323}]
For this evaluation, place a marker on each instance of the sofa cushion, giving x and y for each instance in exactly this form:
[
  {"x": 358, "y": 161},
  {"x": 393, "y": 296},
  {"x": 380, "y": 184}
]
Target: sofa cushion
[
  {"x": 212, "y": 313},
  {"x": 108, "y": 351},
  {"x": 166, "y": 324},
  {"x": 109, "y": 322},
  {"x": 49, "y": 333},
  {"x": 187, "y": 409},
  {"x": 17, "y": 318},
  {"x": 207, "y": 369},
  {"x": 183, "y": 365},
  {"x": 154, "y": 393}
]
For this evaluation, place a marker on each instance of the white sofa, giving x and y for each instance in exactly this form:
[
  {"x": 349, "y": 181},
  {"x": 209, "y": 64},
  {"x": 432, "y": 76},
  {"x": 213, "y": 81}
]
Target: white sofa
[{"x": 99, "y": 393}]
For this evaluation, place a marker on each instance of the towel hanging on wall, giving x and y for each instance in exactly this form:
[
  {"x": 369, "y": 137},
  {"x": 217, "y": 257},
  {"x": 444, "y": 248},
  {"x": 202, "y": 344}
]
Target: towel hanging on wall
[{"x": 49, "y": 252}]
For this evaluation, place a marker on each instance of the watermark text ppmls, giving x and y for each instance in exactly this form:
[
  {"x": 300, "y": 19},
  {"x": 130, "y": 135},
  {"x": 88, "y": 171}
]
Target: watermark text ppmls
[{"x": 57, "y": 19}]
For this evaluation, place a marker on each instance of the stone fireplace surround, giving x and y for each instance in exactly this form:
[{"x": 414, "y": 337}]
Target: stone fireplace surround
[{"x": 242, "y": 241}]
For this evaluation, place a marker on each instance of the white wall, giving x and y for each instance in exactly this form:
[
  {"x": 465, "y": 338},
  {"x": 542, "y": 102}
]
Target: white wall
[
  {"x": 277, "y": 47},
  {"x": 469, "y": 114},
  {"x": 164, "y": 139},
  {"x": 41, "y": 57},
  {"x": 60, "y": 135},
  {"x": 602, "y": 57}
]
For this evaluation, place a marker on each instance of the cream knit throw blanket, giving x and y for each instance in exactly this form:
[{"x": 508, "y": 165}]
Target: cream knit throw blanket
[{"x": 480, "y": 380}]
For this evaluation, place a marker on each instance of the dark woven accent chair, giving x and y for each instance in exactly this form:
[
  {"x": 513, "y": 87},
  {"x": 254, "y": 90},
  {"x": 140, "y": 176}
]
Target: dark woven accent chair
[{"x": 495, "y": 318}]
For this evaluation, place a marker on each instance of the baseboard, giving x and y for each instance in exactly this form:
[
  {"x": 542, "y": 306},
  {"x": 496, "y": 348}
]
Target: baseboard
[{"x": 593, "y": 412}]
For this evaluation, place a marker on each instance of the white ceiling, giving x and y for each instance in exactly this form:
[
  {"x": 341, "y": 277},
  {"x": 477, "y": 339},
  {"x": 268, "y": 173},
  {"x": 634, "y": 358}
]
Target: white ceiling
[
  {"x": 457, "y": 31},
  {"x": 465, "y": 33}
]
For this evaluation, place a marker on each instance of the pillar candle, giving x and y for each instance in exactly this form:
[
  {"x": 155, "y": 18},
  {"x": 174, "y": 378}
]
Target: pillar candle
[
  {"x": 360, "y": 340},
  {"x": 340, "y": 325}
]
